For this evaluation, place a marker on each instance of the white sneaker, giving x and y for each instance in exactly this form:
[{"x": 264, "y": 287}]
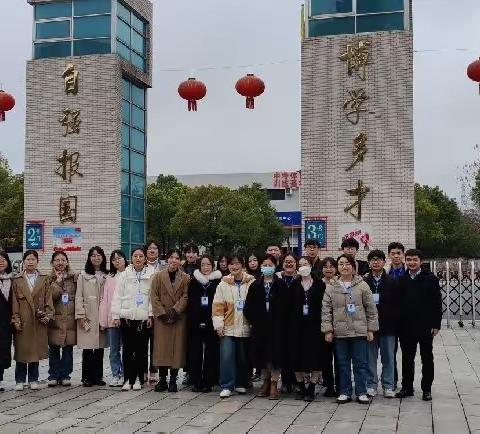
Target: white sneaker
[
  {"x": 389, "y": 393},
  {"x": 363, "y": 399},
  {"x": 119, "y": 382},
  {"x": 19, "y": 387},
  {"x": 153, "y": 377},
  {"x": 225, "y": 393},
  {"x": 34, "y": 385},
  {"x": 343, "y": 399},
  {"x": 241, "y": 390},
  {"x": 371, "y": 392},
  {"x": 66, "y": 382},
  {"x": 127, "y": 386},
  {"x": 137, "y": 385},
  {"x": 52, "y": 383},
  {"x": 114, "y": 382}
]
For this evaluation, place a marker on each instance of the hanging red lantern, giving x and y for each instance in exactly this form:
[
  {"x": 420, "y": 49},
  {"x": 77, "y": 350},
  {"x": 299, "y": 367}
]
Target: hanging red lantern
[
  {"x": 250, "y": 87},
  {"x": 192, "y": 90},
  {"x": 7, "y": 102},
  {"x": 473, "y": 71}
]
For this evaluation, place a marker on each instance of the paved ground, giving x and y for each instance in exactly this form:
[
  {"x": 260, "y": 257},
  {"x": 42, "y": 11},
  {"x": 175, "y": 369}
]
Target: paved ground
[{"x": 455, "y": 408}]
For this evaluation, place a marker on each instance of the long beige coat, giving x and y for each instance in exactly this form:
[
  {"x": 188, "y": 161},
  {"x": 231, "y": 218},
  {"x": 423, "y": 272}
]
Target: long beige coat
[
  {"x": 31, "y": 344},
  {"x": 87, "y": 303},
  {"x": 62, "y": 330},
  {"x": 169, "y": 340}
]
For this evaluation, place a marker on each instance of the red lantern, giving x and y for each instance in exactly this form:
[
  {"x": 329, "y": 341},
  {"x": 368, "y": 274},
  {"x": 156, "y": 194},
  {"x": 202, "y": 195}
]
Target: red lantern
[
  {"x": 473, "y": 71},
  {"x": 7, "y": 102},
  {"x": 192, "y": 90},
  {"x": 250, "y": 87}
]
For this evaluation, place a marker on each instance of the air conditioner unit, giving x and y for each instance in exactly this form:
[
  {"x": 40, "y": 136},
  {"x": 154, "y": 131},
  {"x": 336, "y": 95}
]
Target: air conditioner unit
[{"x": 288, "y": 191}]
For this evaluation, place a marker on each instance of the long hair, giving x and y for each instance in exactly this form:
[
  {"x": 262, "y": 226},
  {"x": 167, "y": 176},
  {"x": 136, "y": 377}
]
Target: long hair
[
  {"x": 5, "y": 256},
  {"x": 118, "y": 252},
  {"x": 89, "y": 268}
]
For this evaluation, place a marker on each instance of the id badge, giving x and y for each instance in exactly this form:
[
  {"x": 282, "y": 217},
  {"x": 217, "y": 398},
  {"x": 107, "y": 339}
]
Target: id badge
[
  {"x": 305, "y": 309},
  {"x": 139, "y": 299},
  {"x": 240, "y": 304},
  {"x": 376, "y": 298},
  {"x": 204, "y": 301},
  {"x": 351, "y": 308},
  {"x": 65, "y": 298},
  {"x": 267, "y": 305}
]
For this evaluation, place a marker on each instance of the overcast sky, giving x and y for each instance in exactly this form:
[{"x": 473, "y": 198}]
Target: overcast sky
[{"x": 226, "y": 35}]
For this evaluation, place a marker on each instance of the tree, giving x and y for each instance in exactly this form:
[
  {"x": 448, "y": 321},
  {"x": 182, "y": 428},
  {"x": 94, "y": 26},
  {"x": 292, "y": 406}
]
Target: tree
[{"x": 11, "y": 209}]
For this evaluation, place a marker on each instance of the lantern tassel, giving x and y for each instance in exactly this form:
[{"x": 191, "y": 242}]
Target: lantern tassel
[
  {"x": 250, "y": 102},
  {"x": 2, "y": 116},
  {"x": 192, "y": 105}
]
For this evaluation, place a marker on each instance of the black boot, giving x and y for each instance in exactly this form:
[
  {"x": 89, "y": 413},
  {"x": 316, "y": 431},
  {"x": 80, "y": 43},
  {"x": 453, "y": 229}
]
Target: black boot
[
  {"x": 302, "y": 391},
  {"x": 172, "y": 385},
  {"x": 310, "y": 392},
  {"x": 161, "y": 386}
]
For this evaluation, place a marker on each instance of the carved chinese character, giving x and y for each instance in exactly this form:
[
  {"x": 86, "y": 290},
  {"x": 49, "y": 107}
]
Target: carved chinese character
[
  {"x": 68, "y": 209},
  {"x": 357, "y": 57},
  {"x": 69, "y": 166},
  {"x": 70, "y": 120},
  {"x": 353, "y": 105},
  {"x": 359, "y": 193},
  {"x": 359, "y": 150},
  {"x": 70, "y": 75}
]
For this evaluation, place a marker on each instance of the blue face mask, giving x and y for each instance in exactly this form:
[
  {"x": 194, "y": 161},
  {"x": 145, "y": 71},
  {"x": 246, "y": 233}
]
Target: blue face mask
[{"x": 267, "y": 270}]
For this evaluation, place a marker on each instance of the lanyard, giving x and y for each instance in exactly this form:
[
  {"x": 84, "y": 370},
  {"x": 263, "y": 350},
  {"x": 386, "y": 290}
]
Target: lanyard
[
  {"x": 205, "y": 288},
  {"x": 376, "y": 283},
  {"x": 347, "y": 289},
  {"x": 268, "y": 288},
  {"x": 238, "y": 288}
]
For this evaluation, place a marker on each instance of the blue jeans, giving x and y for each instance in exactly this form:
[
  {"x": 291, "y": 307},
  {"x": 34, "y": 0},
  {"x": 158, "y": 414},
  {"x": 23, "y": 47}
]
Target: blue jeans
[
  {"x": 350, "y": 351},
  {"x": 386, "y": 345},
  {"x": 60, "y": 367},
  {"x": 233, "y": 362},
  {"x": 115, "y": 343},
  {"x": 21, "y": 370}
]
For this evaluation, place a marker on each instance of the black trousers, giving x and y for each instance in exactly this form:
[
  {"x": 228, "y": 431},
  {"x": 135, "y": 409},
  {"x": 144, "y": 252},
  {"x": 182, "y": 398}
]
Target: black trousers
[
  {"x": 409, "y": 350},
  {"x": 204, "y": 357},
  {"x": 330, "y": 379},
  {"x": 92, "y": 365},
  {"x": 135, "y": 350},
  {"x": 163, "y": 372}
]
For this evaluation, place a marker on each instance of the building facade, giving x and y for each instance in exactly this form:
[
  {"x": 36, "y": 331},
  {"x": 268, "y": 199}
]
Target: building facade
[
  {"x": 86, "y": 144},
  {"x": 357, "y": 122}
]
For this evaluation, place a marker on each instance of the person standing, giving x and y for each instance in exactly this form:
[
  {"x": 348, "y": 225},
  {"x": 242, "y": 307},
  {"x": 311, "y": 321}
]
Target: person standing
[
  {"x": 118, "y": 263},
  {"x": 420, "y": 322},
  {"x": 90, "y": 337},
  {"x": 386, "y": 297},
  {"x": 253, "y": 266},
  {"x": 204, "y": 346},
  {"x": 132, "y": 312},
  {"x": 62, "y": 331},
  {"x": 6, "y": 278},
  {"x": 276, "y": 251},
  {"x": 169, "y": 295},
  {"x": 396, "y": 254},
  {"x": 222, "y": 265},
  {"x": 350, "y": 246},
  {"x": 312, "y": 250},
  {"x": 349, "y": 314},
  {"x": 32, "y": 309}
]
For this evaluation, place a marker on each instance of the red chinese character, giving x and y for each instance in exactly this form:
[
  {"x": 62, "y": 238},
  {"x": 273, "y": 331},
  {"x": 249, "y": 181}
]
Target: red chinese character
[
  {"x": 285, "y": 180},
  {"x": 276, "y": 180},
  {"x": 294, "y": 180}
]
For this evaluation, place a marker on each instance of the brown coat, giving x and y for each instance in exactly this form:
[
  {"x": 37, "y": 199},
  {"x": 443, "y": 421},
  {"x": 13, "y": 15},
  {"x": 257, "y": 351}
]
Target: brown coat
[
  {"x": 87, "y": 303},
  {"x": 169, "y": 340},
  {"x": 31, "y": 343},
  {"x": 62, "y": 330}
]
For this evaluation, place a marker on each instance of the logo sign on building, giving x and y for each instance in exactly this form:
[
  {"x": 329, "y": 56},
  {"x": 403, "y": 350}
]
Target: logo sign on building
[
  {"x": 286, "y": 179},
  {"x": 34, "y": 235},
  {"x": 67, "y": 239},
  {"x": 361, "y": 232},
  {"x": 316, "y": 229},
  {"x": 290, "y": 219}
]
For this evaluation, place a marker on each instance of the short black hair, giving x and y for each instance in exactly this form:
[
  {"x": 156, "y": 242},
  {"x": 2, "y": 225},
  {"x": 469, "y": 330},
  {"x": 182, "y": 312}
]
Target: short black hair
[
  {"x": 350, "y": 242},
  {"x": 210, "y": 259},
  {"x": 89, "y": 268},
  {"x": 312, "y": 242},
  {"x": 414, "y": 252},
  {"x": 172, "y": 251},
  {"x": 350, "y": 259},
  {"x": 328, "y": 260},
  {"x": 118, "y": 252},
  {"x": 270, "y": 258},
  {"x": 30, "y": 252},
  {"x": 274, "y": 245},
  {"x": 5, "y": 256},
  {"x": 292, "y": 255},
  {"x": 150, "y": 242},
  {"x": 396, "y": 245},
  {"x": 239, "y": 258},
  {"x": 376, "y": 254},
  {"x": 58, "y": 253},
  {"x": 190, "y": 247}
]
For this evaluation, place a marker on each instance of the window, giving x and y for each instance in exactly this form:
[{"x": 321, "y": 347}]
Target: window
[
  {"x": 53, "y": 10},
  {"x": 332, "y": 26},
  {"x": 138, "y": 118},
  {"x": 125, "y": 183},
  {"x": 52, "y": 49},
  {"x": 53, "y": 30},
  {"x": 125, "y": 206},
  {"x": 138, "y": 163},
  {"x": 92, "y": 46},
  {"x": 90, "y": 7},
  {"x": 138, "y": 185},
  {"x": 380, "y": 22},
  {"x": 319, "y": 7},
  {"x": 138, "y": 232},
  {"x": 125, "y": 159},
  {"x": 137, "y": 208},
  {"x": 92, "y": 27},
  {"x": 369, "y": 6},
  {"x": 137, "y": 140},
  {"x": 275, "y": 193}
]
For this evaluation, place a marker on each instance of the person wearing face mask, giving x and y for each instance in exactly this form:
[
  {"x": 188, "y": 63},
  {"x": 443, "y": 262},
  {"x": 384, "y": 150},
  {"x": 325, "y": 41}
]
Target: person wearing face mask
[
  {"x": 266, "y": 308},
  {"x": 6, "y": 278}
]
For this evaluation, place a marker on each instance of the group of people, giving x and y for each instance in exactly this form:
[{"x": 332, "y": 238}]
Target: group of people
[{"x": 295, "y": 321}]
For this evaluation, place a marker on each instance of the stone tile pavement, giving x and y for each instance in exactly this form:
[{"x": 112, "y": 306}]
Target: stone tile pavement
[{"x": 455, "y": 408}]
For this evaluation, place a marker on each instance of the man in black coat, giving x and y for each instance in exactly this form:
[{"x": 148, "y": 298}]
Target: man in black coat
[
  {"x": 350, "y": 246},
  {"x": 312, "y": 249},
  {"x": 421, "y": 318}
]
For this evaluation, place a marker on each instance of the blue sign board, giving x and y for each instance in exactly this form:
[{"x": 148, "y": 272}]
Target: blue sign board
[
  {"x": 34, "y": 236},
  {"x": 316, "y": 229},
  {"x": 290, "y": 218}
]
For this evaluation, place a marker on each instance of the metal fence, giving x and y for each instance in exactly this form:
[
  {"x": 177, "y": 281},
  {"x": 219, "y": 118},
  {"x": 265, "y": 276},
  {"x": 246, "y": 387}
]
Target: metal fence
[{"x": 460, "y": 285}]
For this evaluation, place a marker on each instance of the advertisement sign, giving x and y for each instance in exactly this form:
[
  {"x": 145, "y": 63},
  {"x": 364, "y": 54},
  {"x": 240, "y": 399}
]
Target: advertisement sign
[
  {"x": 316, "y": 228},
  {"x": 290, "y": 219},
  {"x": 286, "y": 180},
  {"x": 34, "y": 235},
  {"x": 67, "y": 239},
  {"x": 361, "y": 232}
]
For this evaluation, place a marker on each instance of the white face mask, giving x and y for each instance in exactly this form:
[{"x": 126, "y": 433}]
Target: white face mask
[{"x": 305, "y": 270}]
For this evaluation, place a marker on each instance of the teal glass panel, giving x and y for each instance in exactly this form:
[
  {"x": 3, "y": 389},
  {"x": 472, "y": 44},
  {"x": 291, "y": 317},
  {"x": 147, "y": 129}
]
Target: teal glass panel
[
  {"x": 138, "y": 233},
  {"x": 331, "y": 26},
  {"x": 138, "y": 24},
  {"x": 52, "y": 29},
  {"x": 126, "y": 249},
  {"x": 125, "y": 183},
  {"x": 92, "y": 46},
  {"x": 137, "y": 162},
  {"x": 92, "y": 27},
  {"x": 125, "y": 207},
  {"x": 126, "y": 232},
  {"x": 89, "y": 7},
  {"x": 123, "y": 51},
  {"x": 138, "y": 96},
  {"x": 138, "y": 118},
  {"x": 368, "y": 6},
  {"x": 137, "y": 140},
  {"x": 138, "y": 61},
  {"x": 125, "y": 159},
  {"x": 380, "y": 23},
  {"x": 53, "y": 10},
  {"x": 123, "y": 12},
  {"x": 138, "y": 185},
  {"x": 53, "y": 49},
  {"x": 125, "y": 135},
  {"x": 125, "y": 89},
  {"x": 138, "y": 43},
  {"x": 138, "y": 209},
  {"x": 125, "y": 111},
  {"x": 123, "y": 32},
  {"x": 319, "y": 7}
]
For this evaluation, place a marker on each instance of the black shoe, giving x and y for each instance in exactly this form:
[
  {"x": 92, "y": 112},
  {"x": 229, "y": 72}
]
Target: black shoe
[
  {"x": 427, "y": 396},
  {"x": 161, "y": 386},
  {"x": 404, "y": 393},
  {"x": 207, "y": 389},
  {"x": 172, "y": 385},
  {"x": 87, "y": 383},
  {"x": 330, "y": 393},
  {"x": 197, "y": 389},
  {"x": 286, "y": 388},
  {"x": 100, "y": 383},
  {"x": 302, "y": 391},
  {"x": 310, "y": 393}
]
